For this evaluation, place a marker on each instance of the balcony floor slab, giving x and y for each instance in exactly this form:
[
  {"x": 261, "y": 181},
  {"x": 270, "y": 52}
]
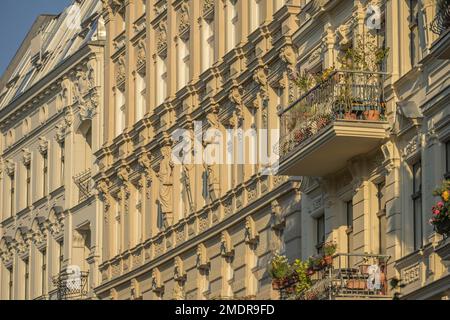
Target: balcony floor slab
[{"x": 329, "y": 150}]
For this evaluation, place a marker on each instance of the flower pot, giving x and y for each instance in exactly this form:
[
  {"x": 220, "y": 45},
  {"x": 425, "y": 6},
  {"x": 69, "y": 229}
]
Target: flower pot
[
  {"x": 328, "y": 260},
  {"x": 277, "y": 284},
  {"x": 356, "y": 284},
  {"x": 443, "y": 228},
  {"x": 372, "y": 115},
  {"x": 350, "y": 116}
]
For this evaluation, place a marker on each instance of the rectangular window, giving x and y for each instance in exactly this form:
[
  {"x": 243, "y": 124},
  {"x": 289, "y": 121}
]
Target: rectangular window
[
  {"x": 184, "y": 61},
  {"x": 414, "y": 31},
  {"x": 43, "y": 272},
  {"x": 140, "y": 96},
  {"x": 447, "y": 160},
  {"x": 417, "y": 205},
  {"x": 232, "y": 18},
  {"x": 120, "y": 112},
  {"x": 320, "y": 232},
  {"x": 117, "y": 229},
  {"x": 27, "y": 279},
  {"x": 161, "y": 83},
  {"x": 349, "y": 231},
  {"x": 63, "y": 162},
  {"x": 44, "y": 174},
  {"x": 10, "y": 283},
  {"x": 12, "y": 193},
  {"x": 381, "y": 203},
  {"x": 208, "y": 49},
  {"x": 138, "y": 217},
  {"x": 28, "y": 185},
  {"x": 60, "y": 255}
]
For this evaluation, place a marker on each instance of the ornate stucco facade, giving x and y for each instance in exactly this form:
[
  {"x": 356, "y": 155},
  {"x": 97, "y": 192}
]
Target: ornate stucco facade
[
  {"x": 141, "y": 226},
  {"x": 51, "y": 123}
]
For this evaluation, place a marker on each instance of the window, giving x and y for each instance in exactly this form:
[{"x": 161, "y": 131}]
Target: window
[
  {"x": 60, "y": 255},
  {"x": 161, "y": 82},
  {"x": 232, "y": 19},
  {"x": 205, "y": 186},
  {"x": 414, "y": 31},
  {"x": 63, "y": 162},
  {"x": 10, "y": 283},
  {"x": 208, "y": 40},
  {"x": 320, "y": 232},
  {"x": 138, "y": 216},
  {"x": 43, "y": 272},
  {"x": 44, "y": 174},
  {"x": 28, "y": 184},
  {"x": 24, "y": 83},
  {"x": 117, "y": 229},
  {"x": 447, "y": 160},
  {"x": 12, "y": 194},
  {"x": 183, "y": 63},
  {"x": 27, "y": 279},
  {"x": 140, "y": 96},
  {"x": 417, "y": 205},
  {"x": 349, "y": 231},
  {"x": 381, "y": 204},
  {"x": 120, "y": 112},
  {"x": 255, "y": 14}
]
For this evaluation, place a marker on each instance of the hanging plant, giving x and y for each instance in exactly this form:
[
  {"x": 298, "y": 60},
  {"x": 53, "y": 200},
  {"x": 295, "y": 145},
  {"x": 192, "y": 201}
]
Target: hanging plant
[{"x": 440, "y": 218}]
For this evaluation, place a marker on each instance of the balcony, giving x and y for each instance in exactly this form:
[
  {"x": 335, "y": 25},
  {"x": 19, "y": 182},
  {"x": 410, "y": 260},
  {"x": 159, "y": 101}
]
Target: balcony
[
  {"x": 441, "y": 27},
  {"x": 71, "y": 285},
  {"x": 339, "y": 118},
  {"x": 84, "y": 184},
  {"x": 347, "y": 277}
]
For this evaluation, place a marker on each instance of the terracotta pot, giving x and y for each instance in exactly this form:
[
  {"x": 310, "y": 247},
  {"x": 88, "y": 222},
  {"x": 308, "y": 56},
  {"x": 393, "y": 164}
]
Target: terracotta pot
[
  {"x": 276, "y": 284},
  {"x": 350, "y": 116},
  {"x": 328, "y": 260},
  {"x": 355, "y": 284},
  {"x": 363, "y": 268},
  {"x": 372, "y": 115}
]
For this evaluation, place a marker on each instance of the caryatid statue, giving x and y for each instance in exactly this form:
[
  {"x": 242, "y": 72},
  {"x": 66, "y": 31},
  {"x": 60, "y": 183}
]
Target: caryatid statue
[{"x": 165, "y": 176}]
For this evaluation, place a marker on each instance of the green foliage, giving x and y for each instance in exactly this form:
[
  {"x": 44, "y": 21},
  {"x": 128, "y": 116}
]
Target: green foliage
[
  {"x": 329, "y": 248},
  {"x": 304, "y": 281},
  {"x": 279, "y": 267},
  {"x": 365, "y": 55}
]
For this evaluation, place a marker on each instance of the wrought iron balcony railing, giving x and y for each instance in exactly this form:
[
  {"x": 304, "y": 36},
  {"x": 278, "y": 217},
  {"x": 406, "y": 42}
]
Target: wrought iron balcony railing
[
  {"x": 441, "y": 22},
  {"x": 71, "y": 286},
  {"x": 351, "y": 276},
  {"x": 344, "y": 95},
  {"x": 84, "y": 184}
]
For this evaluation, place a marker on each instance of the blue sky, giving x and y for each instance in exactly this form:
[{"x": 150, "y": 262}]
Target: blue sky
[{"x": 16, "y": 18}]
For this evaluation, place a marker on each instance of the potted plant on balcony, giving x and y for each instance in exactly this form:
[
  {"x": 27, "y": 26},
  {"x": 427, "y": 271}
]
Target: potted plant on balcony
[
  {"x": 316, "y": 262},
  {"x": 279, "y": 270},
  {"x": 441, "y": 211},
  {"x": 302, "y": 276},
  {"x": 329, "y": 249}
]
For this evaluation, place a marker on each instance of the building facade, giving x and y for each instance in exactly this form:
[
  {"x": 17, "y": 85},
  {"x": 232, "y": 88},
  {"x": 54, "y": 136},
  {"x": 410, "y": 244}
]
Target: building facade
[
  {"x": 357, "y": 91},
  {"x": 50, "y": 114}
]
